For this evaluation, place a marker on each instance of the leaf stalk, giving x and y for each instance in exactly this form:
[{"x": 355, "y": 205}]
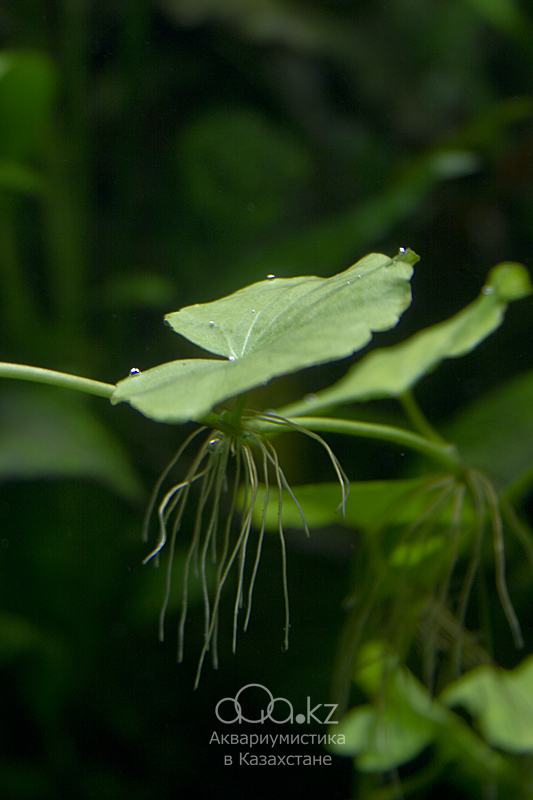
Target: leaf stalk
[
  {"x": 445, "y": 454},
  {"x": 53, "y": 378}
]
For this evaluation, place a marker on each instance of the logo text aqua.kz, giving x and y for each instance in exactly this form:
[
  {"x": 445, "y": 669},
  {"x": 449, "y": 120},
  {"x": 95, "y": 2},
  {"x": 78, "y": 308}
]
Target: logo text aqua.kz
[{"x": 229, "y": 710}]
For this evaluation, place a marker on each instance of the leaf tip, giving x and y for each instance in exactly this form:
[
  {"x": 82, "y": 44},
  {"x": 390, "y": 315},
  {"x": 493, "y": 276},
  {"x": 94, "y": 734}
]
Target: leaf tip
[
  {"x": 406, "y": 256},
  {"x": 510, "y": 281}
]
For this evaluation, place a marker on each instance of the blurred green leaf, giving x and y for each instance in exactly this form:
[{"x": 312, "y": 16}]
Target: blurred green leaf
[
  {"x": 390, "y": 371},
  {"x": 399, "y": 725},
  {"x": 505, "y": 16},
  {"x": 486, "y": 130},
  {"x": 264, "y": 21},
  {"x": 501, "y": 701},
  {"x": 18, "y": 636},
  {"x": 240, "y": 171},
  {"x": 19, "y": 178},
  {"x": 369, "y": 220},
  {"x": 373, "y": 217},
  {"x": 371, "y": 505},
  {"x": 383, "y": 738},
  {"x": 411, "y": 554},
  {"x": 27, "y": 89},
  {"x": 404, "y": 719},
  {"x": 495, "y": 433},
  {"x": 143, "y": 290},
  {"x": 44, "y": 435},
  {"x": 271, "y": 328}
]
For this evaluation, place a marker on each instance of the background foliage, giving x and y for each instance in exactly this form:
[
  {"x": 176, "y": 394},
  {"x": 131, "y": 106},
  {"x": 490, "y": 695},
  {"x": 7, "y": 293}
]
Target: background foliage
[{"x": 157, "y": 154}]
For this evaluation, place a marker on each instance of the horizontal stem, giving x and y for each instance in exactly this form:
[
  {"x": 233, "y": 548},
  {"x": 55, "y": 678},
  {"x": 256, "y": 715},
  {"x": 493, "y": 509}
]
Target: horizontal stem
[
  {"x": 39, "y": 375},
  {"x": 445, "y": 454}
]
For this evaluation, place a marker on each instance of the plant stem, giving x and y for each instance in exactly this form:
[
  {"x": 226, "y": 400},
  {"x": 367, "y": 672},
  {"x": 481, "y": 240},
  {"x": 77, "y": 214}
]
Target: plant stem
[
  {"x": 53, "y": 378},
  {"x": 445, "y": 454},
  {"x": 237, "y": 411},
  {"x": 415, "y": 414}
]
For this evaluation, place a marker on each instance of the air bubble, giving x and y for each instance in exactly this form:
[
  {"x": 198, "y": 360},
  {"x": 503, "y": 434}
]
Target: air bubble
[
  {"x": 270, "y": 277},
  {"x": 403, "y": 250},
  {"x": 349, "y": 283},
  {"x": 253, "y": 310},
  {"x": 232, "y": 358},
  {"x": 487, "y": 290},
  {"x": 135, "y": 371},
  {"x": 211, "y": 324},
  {"x": 213, "y": 443},
  {"x": 310, "y": 398}
]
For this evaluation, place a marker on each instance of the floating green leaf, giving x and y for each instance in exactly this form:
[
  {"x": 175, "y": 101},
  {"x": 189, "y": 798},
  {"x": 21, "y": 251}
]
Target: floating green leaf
[
  {"x": 271, "y": 328},
  {"x": 390, "y": 371}
]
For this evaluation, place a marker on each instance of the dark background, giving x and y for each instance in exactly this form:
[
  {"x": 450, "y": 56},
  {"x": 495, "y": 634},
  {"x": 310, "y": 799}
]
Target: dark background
[{"x": 157, "y": 154}]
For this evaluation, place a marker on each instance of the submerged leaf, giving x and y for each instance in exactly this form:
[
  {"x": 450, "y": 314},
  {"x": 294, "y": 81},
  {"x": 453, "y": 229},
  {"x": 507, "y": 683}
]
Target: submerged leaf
[
  {"x": 507, "y": 413},
  {"x": 370, "y": 505},
  {"x": 390, "y": 371},
  {"x": 43, "y": 436},
  {"x": 403, "y": 719},
  {"x": 269, "y": 329},
  {"x": 383, "y": 738},
  {"x": 502, "y": 702},
  {"x": 28, "y": 83}
]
